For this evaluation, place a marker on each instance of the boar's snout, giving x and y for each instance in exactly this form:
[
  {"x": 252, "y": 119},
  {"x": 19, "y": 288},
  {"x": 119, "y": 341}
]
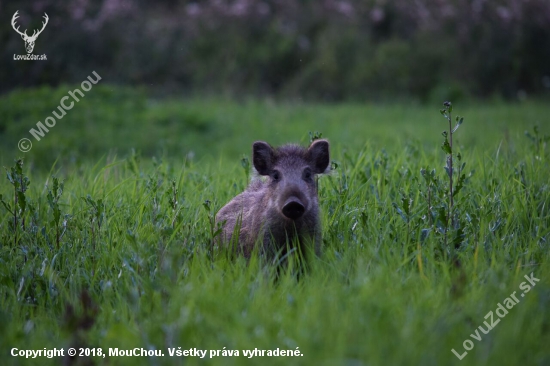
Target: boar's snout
[
  {"x": 293, "y": 208},
  {"x": 282, "y": 209}
]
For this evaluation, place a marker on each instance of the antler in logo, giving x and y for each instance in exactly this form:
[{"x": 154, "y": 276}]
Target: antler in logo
[{"x": 29, "y": 40}]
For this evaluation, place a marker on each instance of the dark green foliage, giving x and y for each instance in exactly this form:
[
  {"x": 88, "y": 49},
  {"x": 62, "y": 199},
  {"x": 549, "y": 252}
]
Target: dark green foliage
[
  {"x": 538, "y": 140},
  {"x": 442, "y": 213},
  {"x": 53, "y": 197},
  {"x": 245, "y": 163},
  {"x": 18, "y": 208},
  {"x": 426, "y": 50},
  {"x": 136, "y": 266},
  {"x": 314, "y": 136}
]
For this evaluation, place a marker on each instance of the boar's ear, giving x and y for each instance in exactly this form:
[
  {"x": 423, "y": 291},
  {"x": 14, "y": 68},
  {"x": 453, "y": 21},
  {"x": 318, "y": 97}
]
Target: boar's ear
[
  {"x": 263, "y": 157},
  {"x": 318, "y": 156}
]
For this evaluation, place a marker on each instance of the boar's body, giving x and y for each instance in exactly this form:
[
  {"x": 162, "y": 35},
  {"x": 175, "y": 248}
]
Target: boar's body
[{"x": 281, "y": 211}]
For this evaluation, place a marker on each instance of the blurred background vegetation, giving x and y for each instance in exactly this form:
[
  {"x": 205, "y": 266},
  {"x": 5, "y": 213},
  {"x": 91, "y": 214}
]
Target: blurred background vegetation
[{"x": 326, "y": 50}]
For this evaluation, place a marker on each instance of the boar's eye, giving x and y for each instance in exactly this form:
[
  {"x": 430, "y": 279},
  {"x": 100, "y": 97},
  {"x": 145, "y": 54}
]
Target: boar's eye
[
  {"x": 307, "y": 174},
  {"x": 276, "y": 175}
]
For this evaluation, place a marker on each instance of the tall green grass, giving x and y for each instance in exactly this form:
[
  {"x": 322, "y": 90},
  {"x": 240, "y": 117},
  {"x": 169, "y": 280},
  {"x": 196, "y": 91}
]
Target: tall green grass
[{"x": 134, "y": 268}]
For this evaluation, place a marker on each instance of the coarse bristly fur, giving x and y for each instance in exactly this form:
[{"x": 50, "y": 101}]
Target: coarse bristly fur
[{"x": 280, "y": 212}]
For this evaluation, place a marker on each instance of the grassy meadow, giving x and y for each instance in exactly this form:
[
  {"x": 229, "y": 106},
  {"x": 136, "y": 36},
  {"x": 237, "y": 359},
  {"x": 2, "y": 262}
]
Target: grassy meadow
[{"x": 111, "y": 247}]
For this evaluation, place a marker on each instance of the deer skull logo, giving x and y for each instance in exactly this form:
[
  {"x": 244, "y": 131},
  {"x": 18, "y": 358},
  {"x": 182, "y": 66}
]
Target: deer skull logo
[{"x": 29, "y": 40}]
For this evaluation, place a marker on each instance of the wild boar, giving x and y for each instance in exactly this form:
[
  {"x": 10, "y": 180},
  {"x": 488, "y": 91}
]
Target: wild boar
[{"x": 281, "y": 211}]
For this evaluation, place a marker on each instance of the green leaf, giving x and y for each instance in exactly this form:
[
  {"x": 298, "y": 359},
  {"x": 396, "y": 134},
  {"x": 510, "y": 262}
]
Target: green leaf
[
  {"x": 55, "y": 185},
  {"x": 459, "y": 185},
  {"x": 424, "y": 174},
  {"x": 131, "y": 237},
  {"x": 21, "y": 201},
  {"x": 424, "y": 233},
  {"x": 245, "y": 163},
  {"x": 217, "y": 232},
  {"x": 441, "y": 222},
  {"x": 6, "y": 204},
  {"x": 458, "y": 123},
  {"x": 448, "y": 170},
  {"x": 406, "y": 204},
  {"x": 446, "y": 147},
  {"x": 19, "y": 167},
  {"x": 49, "y": 197},
  {"x": 315, "y": 136},
  {"x": 10, "y": 176},
  {"x": 400, "y": 212},
  {"x": 56, "y": 215}
]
